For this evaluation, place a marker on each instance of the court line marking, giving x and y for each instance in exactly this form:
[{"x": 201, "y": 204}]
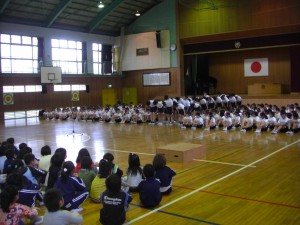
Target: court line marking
[
  {"x": 225, "y": 163},
  {"x": 210, "y": 184},
  {"x": 188, "y": 218},
  {"x": 242, "y": 198},
  {"x": 177, "y": 215}
]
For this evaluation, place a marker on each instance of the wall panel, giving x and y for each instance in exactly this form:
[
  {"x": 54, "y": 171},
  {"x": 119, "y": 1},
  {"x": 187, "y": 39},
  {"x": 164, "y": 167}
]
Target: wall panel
[
  {"x": 228, "y": 69},
  {"x": 240, "y": 16}
]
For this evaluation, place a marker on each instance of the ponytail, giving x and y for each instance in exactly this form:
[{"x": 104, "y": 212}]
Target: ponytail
[{"x": 67, "y": 170}]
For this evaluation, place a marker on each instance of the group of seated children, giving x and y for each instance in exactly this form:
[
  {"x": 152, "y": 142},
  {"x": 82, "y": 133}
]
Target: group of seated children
[
  {"x": 68, "y": 185},
  {"x": 258, "y": 118}
]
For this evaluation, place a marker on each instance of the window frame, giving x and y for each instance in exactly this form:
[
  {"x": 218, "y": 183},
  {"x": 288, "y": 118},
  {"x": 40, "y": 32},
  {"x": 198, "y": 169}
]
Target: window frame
[{"x": 20, "y": 51}]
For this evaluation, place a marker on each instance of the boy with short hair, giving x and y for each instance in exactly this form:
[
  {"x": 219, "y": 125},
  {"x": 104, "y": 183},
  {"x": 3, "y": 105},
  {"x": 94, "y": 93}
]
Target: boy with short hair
[
  {"x": 31, "y": 172},
  {"x": 54, "y": 215},
  {"x": 115, "y": 202},
  {"x": 150, "y": 194}
]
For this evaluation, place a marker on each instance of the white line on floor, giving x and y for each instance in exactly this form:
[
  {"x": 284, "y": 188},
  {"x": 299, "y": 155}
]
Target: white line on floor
[
  {"x": 225, "y": 163},
  {"x": 210, "y": 184}
]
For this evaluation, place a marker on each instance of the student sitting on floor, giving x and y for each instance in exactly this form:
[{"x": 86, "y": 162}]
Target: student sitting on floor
[
  {"x": 115, "y": 202},
  {"x": 163, "y": 173},
  {"x": 98, "y": 184},
  {"x": 72, "y": 188},
  {"x": 31, "y": 172},
  {"x": 294, "y": 123},
  {"x": 28, "y": 192},
  {"x": 14, "y": 213},
  {"x": 86, "y": 173},
  {"x": 134, "y": 172},
  {"x": 281, "y": 125},
  {"x": 54, "y": 201},
  {"x": 150, "y": 195}
]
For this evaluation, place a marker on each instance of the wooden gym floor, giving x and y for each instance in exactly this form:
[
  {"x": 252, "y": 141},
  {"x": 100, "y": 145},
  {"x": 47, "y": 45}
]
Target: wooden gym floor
[{"x": 244, "y": 178}]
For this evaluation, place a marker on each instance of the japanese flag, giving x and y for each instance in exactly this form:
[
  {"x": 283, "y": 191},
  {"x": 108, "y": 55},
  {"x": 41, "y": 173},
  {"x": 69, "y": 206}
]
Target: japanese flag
[{"x": 256, "y": 67}]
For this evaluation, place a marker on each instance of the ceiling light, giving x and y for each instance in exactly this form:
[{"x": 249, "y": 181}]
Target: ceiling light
[
  {"x": 101, "y": 5},
  {"x": 137, "y": 13}
]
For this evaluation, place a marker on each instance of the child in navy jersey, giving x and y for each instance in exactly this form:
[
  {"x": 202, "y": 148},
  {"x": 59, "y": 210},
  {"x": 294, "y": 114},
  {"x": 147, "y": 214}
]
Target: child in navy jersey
[
  {"x": 115, "y": 202},
  {"x": 150, "y": 195},
  {"x": 28, "y": 192},
  {"x": 31, "y": 172},
  {"x": 72, "y": 188},
  {"x": 163, "y": 173}
]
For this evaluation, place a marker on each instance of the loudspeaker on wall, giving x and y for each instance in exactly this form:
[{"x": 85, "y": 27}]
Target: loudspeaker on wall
[
  {"x": 158, "y": 41},
  {"x": 87, "y": 88},
  {"x": 44, "y": 89}
]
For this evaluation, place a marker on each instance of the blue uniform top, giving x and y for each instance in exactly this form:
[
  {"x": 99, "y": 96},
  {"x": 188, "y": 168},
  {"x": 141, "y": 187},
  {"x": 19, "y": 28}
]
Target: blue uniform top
[
  {"x": 165, "y": 176},
  {"x": 70, "y": 188},
  {"x": 150, "y": 194}
]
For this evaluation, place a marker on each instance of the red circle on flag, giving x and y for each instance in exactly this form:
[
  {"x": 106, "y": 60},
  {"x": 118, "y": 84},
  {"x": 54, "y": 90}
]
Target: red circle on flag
[
  {"x": 8, "y": 98},
  {"x": 256, "y": 67}
]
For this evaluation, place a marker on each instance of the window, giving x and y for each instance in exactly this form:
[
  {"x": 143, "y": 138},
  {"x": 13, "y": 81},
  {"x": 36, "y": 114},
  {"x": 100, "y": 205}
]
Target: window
[
  {"x": 22, "y": 88},
  {"x": 67, "y": 55},
  {"x": 97, "y": 58},
  {"x": 102, "y": 59},
  {"x": 68, "y": 87},
  {"x": 21, "y": 117},
  {"x": 19, "y": 54},
  {"x": 33, "y": 88},
  {"x": 13, "y": 89}
]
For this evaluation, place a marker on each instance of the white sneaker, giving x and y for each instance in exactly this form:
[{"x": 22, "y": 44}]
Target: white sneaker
[
  {"x": 233, "y": 128},
  {"x": 225, "y": 128},
  {"x": 257, "y": 131},
  {"x": 183, "y": 127},
  {"x": 207, "y": 129},
  {"x": 274, "y": 132},
  {"x": 243, "y": 130},
  {"x": 77, "y": 210}
]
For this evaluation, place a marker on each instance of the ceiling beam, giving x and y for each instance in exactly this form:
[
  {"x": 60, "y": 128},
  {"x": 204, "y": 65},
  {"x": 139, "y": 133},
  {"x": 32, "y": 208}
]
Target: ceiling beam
[
  {"x": 104, "y": 13},
  {"x": 3, "y": 5},
  {"x": 57, "y": 11}
]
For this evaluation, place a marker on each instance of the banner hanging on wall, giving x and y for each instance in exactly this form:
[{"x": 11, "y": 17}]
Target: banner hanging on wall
[
  {"x": 75, "y": 96},
  {"x": 8, "y": 98},
  {"x": 256, "y": 67}
]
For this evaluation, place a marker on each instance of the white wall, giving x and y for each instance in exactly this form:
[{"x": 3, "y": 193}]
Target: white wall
[{"x": 157, "y": 57}]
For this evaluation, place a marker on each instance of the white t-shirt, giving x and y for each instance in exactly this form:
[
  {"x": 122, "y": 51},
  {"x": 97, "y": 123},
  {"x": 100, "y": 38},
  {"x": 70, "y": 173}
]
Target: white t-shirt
[{"x": 134, "y": 180}]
